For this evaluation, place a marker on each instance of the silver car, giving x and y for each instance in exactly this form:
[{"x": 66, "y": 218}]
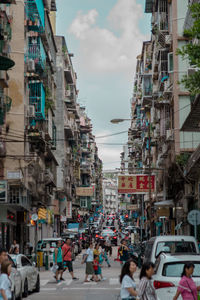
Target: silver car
[
  {"x": 16, "y": 281},
  {"x": 29, "y": 274}
]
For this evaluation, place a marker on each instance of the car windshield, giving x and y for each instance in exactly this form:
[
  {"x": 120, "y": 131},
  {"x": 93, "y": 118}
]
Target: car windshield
[
  {"x": 107, "y": 233},
  {"x": 175, "y": 247},
  {"x": 176, "y": 269}
]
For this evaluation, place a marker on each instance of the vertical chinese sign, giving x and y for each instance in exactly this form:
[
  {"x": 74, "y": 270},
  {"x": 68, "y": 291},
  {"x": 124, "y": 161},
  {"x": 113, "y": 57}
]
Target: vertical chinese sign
[{"x": 135, "y": 184}]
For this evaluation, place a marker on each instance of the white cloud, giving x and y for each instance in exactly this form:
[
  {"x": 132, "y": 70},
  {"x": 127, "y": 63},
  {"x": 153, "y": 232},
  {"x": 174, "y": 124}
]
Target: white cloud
[{"x": 114, "y": 48}]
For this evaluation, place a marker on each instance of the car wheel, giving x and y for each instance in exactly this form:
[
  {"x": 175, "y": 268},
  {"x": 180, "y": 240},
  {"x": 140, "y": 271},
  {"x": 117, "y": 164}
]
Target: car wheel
[
  {"x": 37, "y": 286},
  {"x": 25, "y": 293},
  {"x": 20, "y": 294},
  {"x": 13, "y": 295}
]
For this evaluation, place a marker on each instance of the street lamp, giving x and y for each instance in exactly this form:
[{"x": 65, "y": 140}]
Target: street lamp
[{"x": 116, "y": 121}]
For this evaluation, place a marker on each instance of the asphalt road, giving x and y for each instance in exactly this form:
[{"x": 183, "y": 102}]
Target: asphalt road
[{"x": 78, "y": 290}]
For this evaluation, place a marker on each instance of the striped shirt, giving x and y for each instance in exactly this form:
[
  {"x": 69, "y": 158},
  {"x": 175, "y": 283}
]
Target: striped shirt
[{"x": 146, "y": 290}]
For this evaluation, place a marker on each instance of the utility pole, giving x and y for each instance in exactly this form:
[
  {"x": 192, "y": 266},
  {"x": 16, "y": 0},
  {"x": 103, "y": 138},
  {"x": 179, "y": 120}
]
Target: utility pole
[{"x": 149, "y": 171}]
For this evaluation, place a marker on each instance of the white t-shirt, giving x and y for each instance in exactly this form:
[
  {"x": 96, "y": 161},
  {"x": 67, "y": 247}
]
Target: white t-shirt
[
  {"x": 5, "y": 284},
  {"x": 90, "y": 254},
  {"x": 127, "y": 282}
]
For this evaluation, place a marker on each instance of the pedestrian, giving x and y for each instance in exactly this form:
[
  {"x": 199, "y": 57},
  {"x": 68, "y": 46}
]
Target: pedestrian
[
  {"x": 5, "y": 283},
  {"x": 123, "y": 252},
  {"x": 3, "y": 256},
  {"x": 187, "y": 287},
  {"x": 128, "y": 285},
  {"x": 89, "y": 258},
  {"x": 100, "y": 258},
  {"x": 146, "y": 291},
  {"x": 105, "y": 256},
  {"x": 109, "y": 245},
  {"x": 14, "y": 249},
  {"x": 58, "y": 261},
  {"x": 96, "y": 266},
  {"x": 67, "y": 257}
]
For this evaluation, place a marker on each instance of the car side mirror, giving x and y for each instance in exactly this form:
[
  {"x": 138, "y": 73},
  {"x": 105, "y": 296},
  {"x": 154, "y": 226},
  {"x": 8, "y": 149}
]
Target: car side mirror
[{"x": 34, "y": 264}]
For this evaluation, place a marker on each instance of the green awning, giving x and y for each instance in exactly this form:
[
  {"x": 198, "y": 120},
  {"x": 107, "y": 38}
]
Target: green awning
[
  {"x": 6, "y": 63},
  {"x": 149, "y": 6}
]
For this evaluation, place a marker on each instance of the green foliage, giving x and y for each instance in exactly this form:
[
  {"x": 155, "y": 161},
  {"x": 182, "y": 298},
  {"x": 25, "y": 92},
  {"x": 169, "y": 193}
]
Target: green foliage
[
  {"x": 191, "y": 51},
  {"x": 182, "y": 159}
]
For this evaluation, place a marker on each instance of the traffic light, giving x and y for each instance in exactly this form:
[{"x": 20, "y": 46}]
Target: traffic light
[{"x": 126, "y": 216}]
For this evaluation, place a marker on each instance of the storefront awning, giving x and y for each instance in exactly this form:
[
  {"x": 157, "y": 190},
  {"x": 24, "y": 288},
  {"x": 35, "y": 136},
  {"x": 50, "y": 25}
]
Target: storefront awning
[
  {"x": 6, "y": 63},
  {"x": 164, "y": 203}
]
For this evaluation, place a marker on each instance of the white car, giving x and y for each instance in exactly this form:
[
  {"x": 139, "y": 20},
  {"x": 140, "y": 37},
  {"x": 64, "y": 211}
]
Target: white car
[
  {"x": 168, "y": 273},
  {"x": 16, "y": 281},
  {"x": 29, "y": 274}
]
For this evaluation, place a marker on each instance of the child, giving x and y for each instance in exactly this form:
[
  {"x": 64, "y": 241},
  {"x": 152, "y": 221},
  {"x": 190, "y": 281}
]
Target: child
[
  {"x": 5, "y": 283},
  {"x": 96, "y": 267}
]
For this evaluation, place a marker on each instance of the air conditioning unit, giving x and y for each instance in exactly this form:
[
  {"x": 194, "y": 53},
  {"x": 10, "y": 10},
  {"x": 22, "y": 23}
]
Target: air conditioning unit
[
  {"x": 68, "y": 150},
  {"x": 169, "y": 135},
  {"x": 67, "y": 93},
  {"x": 31, "y": 65},
  {"x": 192, "y": 70},
  {"x": 31, "y": 111},
  {"x": 168, "y": 39}
]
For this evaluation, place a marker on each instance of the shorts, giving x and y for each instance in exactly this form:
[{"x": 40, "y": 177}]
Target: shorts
[
  {"x": 89, "y": 268},
  {"x": 60, "y": 266},
  {"x": 99, "y": 270},
  {"x": 68, "y": 264},
  {"x": 96, "y": 272}
]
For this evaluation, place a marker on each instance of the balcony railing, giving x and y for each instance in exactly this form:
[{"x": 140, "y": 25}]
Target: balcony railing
[
  {"x": 36, "y": 53},
  {"x": 35, "y": 16},
  {"x": 37, "y": 98}
]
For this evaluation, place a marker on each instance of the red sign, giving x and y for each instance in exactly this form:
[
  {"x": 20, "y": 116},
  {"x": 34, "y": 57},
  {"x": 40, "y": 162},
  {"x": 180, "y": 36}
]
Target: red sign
[{"x": 135, "y": 184}]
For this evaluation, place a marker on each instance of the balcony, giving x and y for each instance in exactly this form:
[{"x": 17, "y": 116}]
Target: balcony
[
  {"x": 5, "y": 106},
  {"x": 36, "y": 54},
  {"x": 37, "y": 99},
  {"x": 35, "y": 16},
  {"x": 2, "y": 148},
  {"x": 147, "y": 89},
  {"x": 69, "y": 74},
  {"x": 49, "y": 178},
  {"x": 17, "y": 198},
  {"x": 68, "y": 125}
]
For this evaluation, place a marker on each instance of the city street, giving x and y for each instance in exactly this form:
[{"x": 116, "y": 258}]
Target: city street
[{"x": 78, "y": 290}]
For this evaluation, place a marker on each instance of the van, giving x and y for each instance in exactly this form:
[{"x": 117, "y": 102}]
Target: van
[{"x": 170, "y": 244}]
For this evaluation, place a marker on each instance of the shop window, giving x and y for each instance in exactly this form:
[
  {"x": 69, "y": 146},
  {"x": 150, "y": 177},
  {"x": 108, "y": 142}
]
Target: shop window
[{"x": 84, "y": 202}]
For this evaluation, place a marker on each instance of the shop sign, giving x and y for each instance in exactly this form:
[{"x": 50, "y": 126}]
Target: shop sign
[
  {"x": 69, "y": 210},
  {"x": 3, "y": 191},
  {"x": 85, "y": 191},
  {"x": 14, "y": 174},
  {"x": 135, "y": 184},
  {"x": 163, "y": 212},
  {"x": 132, "y": 206}
]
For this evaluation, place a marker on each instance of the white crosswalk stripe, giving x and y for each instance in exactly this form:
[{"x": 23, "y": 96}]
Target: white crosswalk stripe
[
  {"x": 43, "y": 282},
  {"x": 114, "y": 281}
]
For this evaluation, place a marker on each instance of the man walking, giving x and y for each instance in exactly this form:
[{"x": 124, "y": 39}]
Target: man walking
[{"x": 67, "y": 257}]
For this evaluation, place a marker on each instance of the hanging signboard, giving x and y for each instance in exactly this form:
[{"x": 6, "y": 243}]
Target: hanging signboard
[
  {"x": 69, "y": 210},
  {"x": 135, "y": 184},
  {"x": 85, "y": 191}
]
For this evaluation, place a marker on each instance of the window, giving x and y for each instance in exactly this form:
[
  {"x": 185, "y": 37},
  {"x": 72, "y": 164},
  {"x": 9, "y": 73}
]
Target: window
[
  {"x": 175, "y": 247},
  {"x": 170, "y": 62},
  {"x": 25, "y": 262},
  {"x": 84, "y": 202},
  {"x": 175, "y": 269},
  {"x": 148, "y": 250}
]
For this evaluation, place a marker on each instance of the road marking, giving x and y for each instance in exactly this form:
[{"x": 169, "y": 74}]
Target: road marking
[
  {"x": 43, "y": 282},
  {"x": 68, "y": 282},
  {"x": 92, "y": 288},
  {"x": 60, "y": 283},
  {"x": 90, "y": 283},
  {"x": 48, "y": 289},
  {"x": 114, "y": 281}
]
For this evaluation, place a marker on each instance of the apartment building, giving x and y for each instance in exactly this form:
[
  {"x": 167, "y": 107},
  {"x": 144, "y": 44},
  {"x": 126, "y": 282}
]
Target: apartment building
[
  {"x": 160, "y": 107},
  {"x": 110, "y": 195},
  {"x": 42, "y": 143}
]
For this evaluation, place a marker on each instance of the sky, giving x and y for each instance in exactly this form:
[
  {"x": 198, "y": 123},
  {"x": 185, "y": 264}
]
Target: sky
[{"x": 105, "y": 37}]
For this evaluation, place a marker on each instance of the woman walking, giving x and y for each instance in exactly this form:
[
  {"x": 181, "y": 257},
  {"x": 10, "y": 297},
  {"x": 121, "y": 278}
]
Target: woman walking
[
  {"x": 128, "y": 285},
  {"x": 5, "y": 283},
  {"x": 89, "y": 257},
  {"x": 146, "y": 290},
  {"x": 187, "y": 287}
]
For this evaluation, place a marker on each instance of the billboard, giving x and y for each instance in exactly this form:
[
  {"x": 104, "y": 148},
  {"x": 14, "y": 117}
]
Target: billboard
[
  {"x": 135, "y": 184},
  {"x": 85, "y": 191},
  {"x": 69, "y": 210}
]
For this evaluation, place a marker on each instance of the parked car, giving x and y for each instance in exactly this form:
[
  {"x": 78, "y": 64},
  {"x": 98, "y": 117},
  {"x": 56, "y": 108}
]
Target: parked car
[
  {"x": 170, "y": 244},
  {"x": 168, "y": 273},
  {"x": 29, "y": 274},
  {"x": 16, "y": 281}
]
